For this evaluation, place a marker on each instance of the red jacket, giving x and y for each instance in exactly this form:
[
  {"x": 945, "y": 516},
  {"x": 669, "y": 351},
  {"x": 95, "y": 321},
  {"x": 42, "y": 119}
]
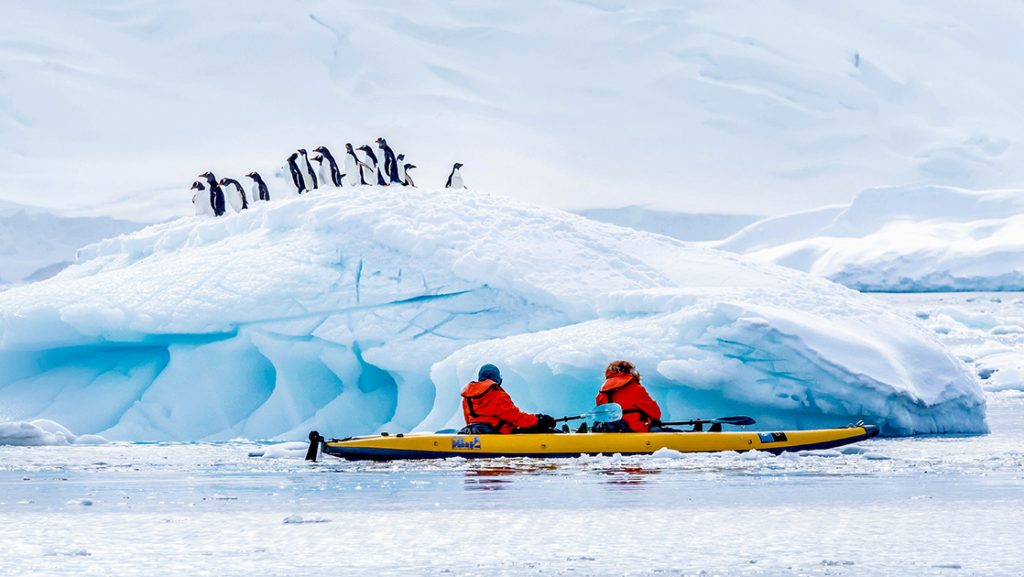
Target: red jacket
[
  {"x": 486, "y": 402},
  {"x": 638, "y": 408}
]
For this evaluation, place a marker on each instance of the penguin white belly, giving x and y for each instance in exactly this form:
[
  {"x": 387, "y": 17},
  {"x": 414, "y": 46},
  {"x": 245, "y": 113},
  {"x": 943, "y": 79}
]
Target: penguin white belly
[
  {"x": 254, "y": 194},
  {"x": 457, "y": 180},
  {"x": 324, "y": 173},
  {"x": 307, "y": 169},
  {"x": 233, "y": 197},
  {"x": 401, "y": 173},
  {"x": 369, "y": 174},
  {"x": 203, "y": 206},
  {"x": 351, "y": 171}
]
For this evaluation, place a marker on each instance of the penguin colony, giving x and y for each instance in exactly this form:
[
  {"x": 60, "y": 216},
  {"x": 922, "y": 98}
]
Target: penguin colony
[{"x": 362, "y": 167}]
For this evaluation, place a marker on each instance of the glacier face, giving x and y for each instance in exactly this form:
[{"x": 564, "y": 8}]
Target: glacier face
[
  {"x": 901, "y": 239},
  {"x": 364, "y": 309}
]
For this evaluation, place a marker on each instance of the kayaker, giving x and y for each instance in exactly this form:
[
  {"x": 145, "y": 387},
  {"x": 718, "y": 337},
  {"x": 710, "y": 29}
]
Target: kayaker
[
  {"x": 640, "y": 413},
  {"x": 489, "y": 409}
]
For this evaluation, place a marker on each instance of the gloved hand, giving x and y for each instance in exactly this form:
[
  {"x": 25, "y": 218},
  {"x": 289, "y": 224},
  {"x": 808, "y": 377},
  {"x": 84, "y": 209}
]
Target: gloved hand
[
  {"x": 655, "y": 422},
  {"x": 545, "y": 421}
]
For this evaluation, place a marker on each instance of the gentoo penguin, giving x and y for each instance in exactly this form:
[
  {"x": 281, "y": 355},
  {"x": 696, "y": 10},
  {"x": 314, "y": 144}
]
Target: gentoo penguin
[
  {"x": 202, "y": 199},
  {"x": 455, "y": 179},
  {"x": 259, "y": 188},
  {"x": 235, "y": 194},
  {"x": 293, "y": 168},
  {"x": 401, "y": 169},
  {"x": 371, "y": 163},
  {"x": 336, "y": 175},
  {"x": 216, "y": 193},
  {"x": 354, "y": 167},
  {"x": 408, "y": 177},
  {"x": 323, "y": 168},
  {"x": 388, "y": 158},
  {"x": 309, "y": 168}
]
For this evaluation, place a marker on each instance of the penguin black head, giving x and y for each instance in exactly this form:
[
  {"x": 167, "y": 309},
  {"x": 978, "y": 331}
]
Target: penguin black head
[
  {"x": 302, "y": 151},
  {"x": 401, "y": 157},
  {"x": 458, "y": 165},
  {"x": 197, "y": 186},
  {"x": 318, "y": 158},
  {"x": 253, "y": 175},
  {"x": 208, "y": 176},
  {"x": 348, "y": 146},
  {"x": 364, "y": 147},
  {"x": 409, "y": 167},
  {"x": 320, "y": 149},
  {"x": 379, "y": 140},
  {"x": 293, "y": 156}
]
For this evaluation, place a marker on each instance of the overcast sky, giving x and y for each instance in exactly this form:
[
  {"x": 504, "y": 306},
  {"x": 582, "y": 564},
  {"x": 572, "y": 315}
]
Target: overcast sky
[{"x": 737, "y": 107}]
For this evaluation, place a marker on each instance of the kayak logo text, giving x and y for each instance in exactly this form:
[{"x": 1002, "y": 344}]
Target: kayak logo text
[{"x": 465, "y": 443}]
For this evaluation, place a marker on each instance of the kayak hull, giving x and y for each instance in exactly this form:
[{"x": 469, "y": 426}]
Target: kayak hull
[{"x": 442, "y": 446}]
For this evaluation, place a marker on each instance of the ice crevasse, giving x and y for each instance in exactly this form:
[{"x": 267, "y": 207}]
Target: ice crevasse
[{"x": 358, "y": 310}]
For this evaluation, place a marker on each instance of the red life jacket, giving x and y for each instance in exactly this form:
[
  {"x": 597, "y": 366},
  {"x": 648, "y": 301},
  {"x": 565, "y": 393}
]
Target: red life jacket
[
  {"x": 486, "y": 402},
  {"x": 638, "y": 408}
]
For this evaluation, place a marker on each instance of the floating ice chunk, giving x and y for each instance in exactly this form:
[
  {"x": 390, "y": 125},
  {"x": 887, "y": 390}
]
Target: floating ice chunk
[{"x": 300, "y": 520}]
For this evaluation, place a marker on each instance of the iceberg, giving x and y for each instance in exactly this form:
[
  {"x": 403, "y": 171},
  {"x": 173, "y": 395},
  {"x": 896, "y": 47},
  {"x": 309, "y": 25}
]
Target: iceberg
[
  {"x": 366, "y": 309},
  {"x": 900, "y": 239}
]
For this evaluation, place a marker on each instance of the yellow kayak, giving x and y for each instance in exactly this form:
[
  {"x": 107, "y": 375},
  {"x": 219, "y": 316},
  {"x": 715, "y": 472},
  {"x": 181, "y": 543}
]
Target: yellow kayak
[{"x": 385, "y": 447}]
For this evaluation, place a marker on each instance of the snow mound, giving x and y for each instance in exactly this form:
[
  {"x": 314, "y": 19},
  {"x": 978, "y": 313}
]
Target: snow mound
[
  {"x": 908, "y": 239},
  {"x": 43, "y": 432},
  {"x": 681, "y": 225},
  {"x": 368, "y": 308}
]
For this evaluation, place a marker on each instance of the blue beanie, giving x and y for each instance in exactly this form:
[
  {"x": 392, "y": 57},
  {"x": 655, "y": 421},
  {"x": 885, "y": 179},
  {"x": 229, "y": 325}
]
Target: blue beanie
[{"x": 489, "y": 372}]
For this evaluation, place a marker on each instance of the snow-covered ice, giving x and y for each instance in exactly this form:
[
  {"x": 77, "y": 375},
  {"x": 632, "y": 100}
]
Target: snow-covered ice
[
  {"x": 363, "y": 309},
  {"x": 42, "y": 432},
  {"x": 908, "y": 239}
]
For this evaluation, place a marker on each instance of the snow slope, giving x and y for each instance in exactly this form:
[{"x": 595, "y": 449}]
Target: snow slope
[
  {"x": 766, "y": 107},
  {"x": 908, "y": 239},
  {"x": 35, "y": 243},
  {"x": 368, "y": 308},
  {"x": 681, "y": 225}
]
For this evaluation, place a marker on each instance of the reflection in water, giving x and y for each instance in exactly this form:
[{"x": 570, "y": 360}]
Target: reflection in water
[
  {"x": 628, "y": 477},
  {"x": 489, "y": 476}
]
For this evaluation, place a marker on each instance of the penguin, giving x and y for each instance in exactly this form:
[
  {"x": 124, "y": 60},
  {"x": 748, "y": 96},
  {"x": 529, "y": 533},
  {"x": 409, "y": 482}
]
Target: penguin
[
  {"x": 309, "y": 168},
  {"x": 202, "y": 199},
  {"x": 408, "y": 177},
  {"x": 374, "y": 168},
  {"x": 390, "y": 165},
  {"x": 235, "y": 194},
  {"x": 293, "y": 168},
  {"x": 354, "y": 167},
  {"x": 323, "y": 168},
  {"x": 455, "y": 178},
  {"x": 216, "y": 193},
  {"x": 401, "y": 169},
  {"x": 336, "y": 175},
  {"x": 259, "y": 188}
]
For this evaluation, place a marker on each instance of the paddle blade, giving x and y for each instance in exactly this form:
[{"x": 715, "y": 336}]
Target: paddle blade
[
  {"x": 605, "y": 413},
  {"x": 739, "y": 421}
]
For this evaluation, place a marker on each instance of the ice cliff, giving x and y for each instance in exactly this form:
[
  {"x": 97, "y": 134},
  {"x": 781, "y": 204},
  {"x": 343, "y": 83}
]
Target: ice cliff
[
  {"x": 908, "y": 239},
  {"x": 364, "y": 309}
]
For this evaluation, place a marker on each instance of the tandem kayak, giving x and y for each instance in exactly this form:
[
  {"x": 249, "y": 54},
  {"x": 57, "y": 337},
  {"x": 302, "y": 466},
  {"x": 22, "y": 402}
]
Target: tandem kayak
[{"x": 386, "y": 447}]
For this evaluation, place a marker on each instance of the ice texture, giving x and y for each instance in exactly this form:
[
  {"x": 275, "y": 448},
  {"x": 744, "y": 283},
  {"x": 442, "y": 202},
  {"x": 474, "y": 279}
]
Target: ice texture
[
  {"x": 42, "y": 432},
  {"x": 906, "y": 239},
  {"x": 368, "y": 308}
]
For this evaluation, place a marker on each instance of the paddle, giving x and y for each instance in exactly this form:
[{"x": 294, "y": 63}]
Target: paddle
[{"x": 600, "y": 414}]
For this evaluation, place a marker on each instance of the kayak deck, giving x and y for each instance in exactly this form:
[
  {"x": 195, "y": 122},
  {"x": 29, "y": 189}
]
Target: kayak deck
[{"x": 439, "y": 446}]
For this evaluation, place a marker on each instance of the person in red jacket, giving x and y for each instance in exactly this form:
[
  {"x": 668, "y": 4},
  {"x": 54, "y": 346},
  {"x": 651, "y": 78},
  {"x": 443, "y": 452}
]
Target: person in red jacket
[
  {"x": 489, "y": 410},
  {"x": 640, "y": 413}
]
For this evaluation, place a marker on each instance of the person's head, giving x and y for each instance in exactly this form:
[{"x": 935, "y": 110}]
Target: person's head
[
  {"x": 621, "y": 367},
  {"x": 489, "y": 372}
]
